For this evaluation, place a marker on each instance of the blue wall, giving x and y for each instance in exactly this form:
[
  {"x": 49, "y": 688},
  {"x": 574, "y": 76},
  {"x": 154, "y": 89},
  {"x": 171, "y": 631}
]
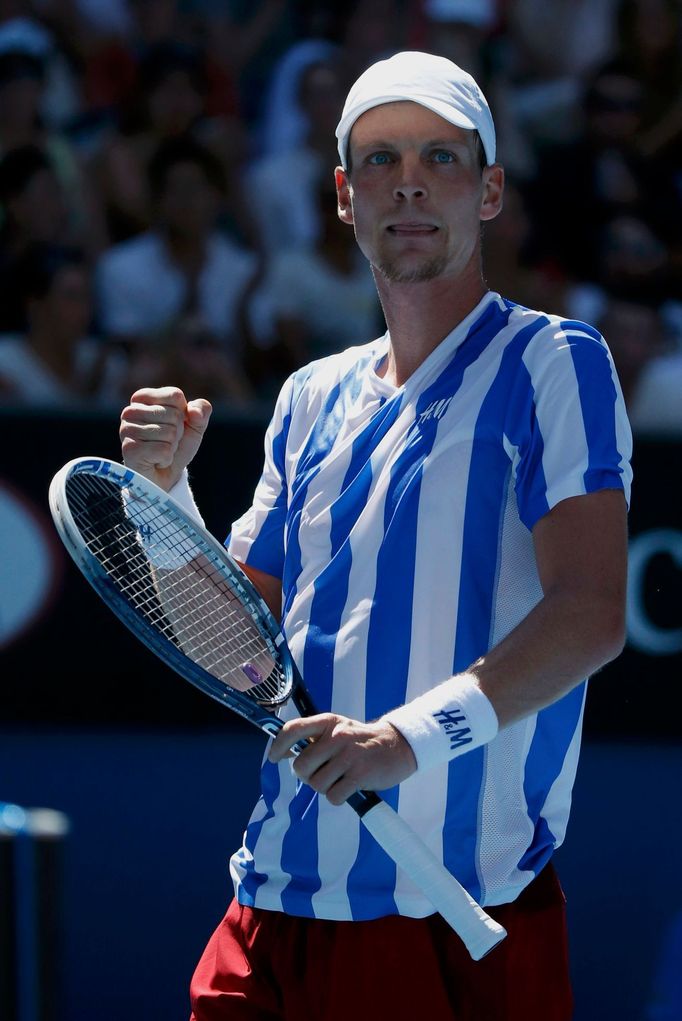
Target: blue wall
[{"x": 155, "y": 814}]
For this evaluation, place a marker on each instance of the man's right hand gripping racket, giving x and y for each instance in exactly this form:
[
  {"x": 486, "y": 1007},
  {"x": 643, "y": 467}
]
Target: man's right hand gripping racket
[{"x": 181, "y": 593}]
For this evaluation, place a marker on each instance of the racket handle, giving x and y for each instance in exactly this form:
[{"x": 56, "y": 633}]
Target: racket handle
[{"x": 478, "y": 931}]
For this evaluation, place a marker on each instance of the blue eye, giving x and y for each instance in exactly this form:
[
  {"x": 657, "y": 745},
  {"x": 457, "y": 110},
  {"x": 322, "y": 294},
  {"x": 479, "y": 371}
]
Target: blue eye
[
  {"x": 443, "y": 156},
  {"x": 379, "y": 159}
]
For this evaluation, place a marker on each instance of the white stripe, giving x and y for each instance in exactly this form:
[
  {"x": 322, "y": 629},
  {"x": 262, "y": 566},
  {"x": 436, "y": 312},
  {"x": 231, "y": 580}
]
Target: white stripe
[
  {"x": 271, "y": 834},
  {"x": 505, "y": 824},
  {"x": 337, "y": 856},
  {"x": 559, "y": 796},
  {"x": 423, "y": 799},
  {"x": 623, "y": 434},
  {"x": 565, "y": 442}
]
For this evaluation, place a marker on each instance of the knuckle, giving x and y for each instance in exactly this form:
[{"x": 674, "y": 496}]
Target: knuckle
[
  {"x": 173, "y": 395},
  {"x": 167, "y": 433},
  {"x": 128, "y": 416},
  {"x": 145, "y": 395}
]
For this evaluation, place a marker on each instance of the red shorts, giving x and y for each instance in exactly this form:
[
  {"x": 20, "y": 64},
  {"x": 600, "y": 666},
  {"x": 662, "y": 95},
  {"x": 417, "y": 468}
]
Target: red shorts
[{"x": 267, "y": 966}]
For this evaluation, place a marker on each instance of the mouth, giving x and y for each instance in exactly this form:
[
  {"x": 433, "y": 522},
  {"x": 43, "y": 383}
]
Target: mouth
[{"x": 411, "y": 229}]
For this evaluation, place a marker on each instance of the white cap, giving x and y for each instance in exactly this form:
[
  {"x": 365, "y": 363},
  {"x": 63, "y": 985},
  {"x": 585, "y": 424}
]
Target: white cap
[{"x": 431, "y": 81}]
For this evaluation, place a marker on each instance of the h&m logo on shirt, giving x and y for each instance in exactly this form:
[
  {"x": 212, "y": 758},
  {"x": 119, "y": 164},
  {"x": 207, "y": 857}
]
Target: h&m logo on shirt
[
  {"x": 450, "y": 720},
  {"x": 435, "y": 410}
]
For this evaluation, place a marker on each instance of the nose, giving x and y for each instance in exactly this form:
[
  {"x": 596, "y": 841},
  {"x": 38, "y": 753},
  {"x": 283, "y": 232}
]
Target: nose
[
  {"x": 410, "y": 185},
  {"x": 407, "y": 191}
]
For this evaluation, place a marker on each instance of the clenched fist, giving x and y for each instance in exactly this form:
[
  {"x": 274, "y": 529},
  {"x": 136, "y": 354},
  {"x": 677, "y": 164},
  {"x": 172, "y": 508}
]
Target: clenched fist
[{"x": 161, "y": 432}]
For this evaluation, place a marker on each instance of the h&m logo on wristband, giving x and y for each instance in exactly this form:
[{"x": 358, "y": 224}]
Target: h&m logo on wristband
[{"x": 450, "y": 720}]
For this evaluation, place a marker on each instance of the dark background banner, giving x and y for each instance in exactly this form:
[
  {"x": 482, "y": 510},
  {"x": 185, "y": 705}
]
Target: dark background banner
[
  {"x": 158, "y": 781},
  {"x": 55, "y": 634}
]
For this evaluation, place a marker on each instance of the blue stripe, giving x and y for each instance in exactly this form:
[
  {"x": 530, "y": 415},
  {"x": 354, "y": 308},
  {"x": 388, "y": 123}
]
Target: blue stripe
[
  {"x": 270, "y": 774},
  {"x": 522, "y": 430},
  {"x": 267, "y": 550},
  {"x": 388, "y": 652},
  {"x": 300, "y": 852},
  {"x": 598, "y": 396},
  {"x": 392, "y": 603},
  {"x": 508, "y": 409},
  {"x": 487, "y": 490},
  {"x": 486, "y": 498},
  {"x": 300, "y": 848},
  {"x": 252, "y": 880},
  {"x": 555, "y": 729},
  {"x": 320, "y": 442},
  {"x": 331, "y": 586}
]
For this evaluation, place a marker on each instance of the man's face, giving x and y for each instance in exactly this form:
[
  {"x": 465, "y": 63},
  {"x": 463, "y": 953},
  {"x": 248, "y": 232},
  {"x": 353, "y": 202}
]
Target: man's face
[{"x": 415, "y": 193}]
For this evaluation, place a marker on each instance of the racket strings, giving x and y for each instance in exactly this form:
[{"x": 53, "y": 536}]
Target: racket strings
[{"x": 161, "y": 567}]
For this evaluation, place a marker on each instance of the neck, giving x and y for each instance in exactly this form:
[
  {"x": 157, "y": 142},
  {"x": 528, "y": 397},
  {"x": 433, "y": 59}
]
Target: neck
[{"x": 421, "y": 315}]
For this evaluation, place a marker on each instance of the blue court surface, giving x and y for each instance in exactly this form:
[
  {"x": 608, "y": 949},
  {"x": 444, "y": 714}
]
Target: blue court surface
[{"x": 155, "y": 815}]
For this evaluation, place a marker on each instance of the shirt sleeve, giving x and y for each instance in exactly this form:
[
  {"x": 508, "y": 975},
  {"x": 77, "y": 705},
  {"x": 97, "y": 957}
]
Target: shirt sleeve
[
  {"x": 257, "y": 537},
  {"x": 567, "y": 427}
]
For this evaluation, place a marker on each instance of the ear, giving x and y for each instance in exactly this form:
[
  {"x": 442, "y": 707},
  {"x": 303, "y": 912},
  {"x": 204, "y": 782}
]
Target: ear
[
  {"x": 493, "y": 190},
  {"x": 345, "y": 208}
]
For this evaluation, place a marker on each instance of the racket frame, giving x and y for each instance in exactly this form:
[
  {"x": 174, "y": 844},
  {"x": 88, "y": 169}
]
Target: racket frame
[{"x": 93, "y": 571}]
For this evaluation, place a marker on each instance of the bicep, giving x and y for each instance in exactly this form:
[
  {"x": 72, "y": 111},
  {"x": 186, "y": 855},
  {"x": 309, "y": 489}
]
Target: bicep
[{"x": 581, "y": 546}]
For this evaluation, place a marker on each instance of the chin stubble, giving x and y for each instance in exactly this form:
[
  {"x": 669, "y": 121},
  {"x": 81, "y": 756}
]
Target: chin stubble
[{"x": 429, "y": 270}]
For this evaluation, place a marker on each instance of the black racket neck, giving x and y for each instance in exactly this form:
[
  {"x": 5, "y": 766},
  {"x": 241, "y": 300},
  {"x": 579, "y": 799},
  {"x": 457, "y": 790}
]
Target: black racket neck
[
  {"x": 302, "y": 700},
  {"x": 362, "y": 801}
]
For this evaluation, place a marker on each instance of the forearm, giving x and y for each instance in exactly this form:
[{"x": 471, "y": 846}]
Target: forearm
[
  {"x": 562, "y": 641},
  {"x": 565, "y": 638},
  {"x": 579, "y": 624}
]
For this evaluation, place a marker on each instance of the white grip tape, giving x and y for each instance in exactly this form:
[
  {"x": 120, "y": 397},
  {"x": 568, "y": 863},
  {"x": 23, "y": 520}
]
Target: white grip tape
[{"x": 477, "y": 930}]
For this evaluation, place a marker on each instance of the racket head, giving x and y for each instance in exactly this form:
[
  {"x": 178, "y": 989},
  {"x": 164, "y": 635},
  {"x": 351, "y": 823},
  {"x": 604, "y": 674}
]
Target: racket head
[{"x": 142, "y": 553}]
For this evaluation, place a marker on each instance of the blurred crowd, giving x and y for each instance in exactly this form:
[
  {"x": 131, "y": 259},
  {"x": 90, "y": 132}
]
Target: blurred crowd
[{"x": 167, "y": 212}]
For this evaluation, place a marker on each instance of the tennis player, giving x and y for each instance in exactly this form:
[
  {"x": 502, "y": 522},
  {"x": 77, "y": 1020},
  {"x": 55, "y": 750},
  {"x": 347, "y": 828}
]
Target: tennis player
[{"x": 441, "y": 526}]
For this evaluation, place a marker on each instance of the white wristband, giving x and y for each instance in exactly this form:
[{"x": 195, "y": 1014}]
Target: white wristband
[
  {"x": 183, "y": 495},
  {"x": 453, "y": 718},
  {"x": 167, "y": 548}
]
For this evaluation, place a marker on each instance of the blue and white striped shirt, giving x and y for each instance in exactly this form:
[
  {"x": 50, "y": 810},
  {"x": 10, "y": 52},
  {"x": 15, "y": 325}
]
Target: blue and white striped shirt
[{"x": 399, "y": 519}]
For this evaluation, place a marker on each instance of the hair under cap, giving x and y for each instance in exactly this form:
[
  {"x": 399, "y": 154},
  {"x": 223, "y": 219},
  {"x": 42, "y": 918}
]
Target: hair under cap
[{"x": 431, "y": 81}]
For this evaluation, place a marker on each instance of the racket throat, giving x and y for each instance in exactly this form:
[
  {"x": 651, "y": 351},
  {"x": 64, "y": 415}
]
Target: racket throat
[{"x": 363, "y": 802}]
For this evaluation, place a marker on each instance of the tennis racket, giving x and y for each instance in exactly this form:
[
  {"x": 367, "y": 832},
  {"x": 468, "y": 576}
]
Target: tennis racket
[{"x": 181, "y": 593}]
